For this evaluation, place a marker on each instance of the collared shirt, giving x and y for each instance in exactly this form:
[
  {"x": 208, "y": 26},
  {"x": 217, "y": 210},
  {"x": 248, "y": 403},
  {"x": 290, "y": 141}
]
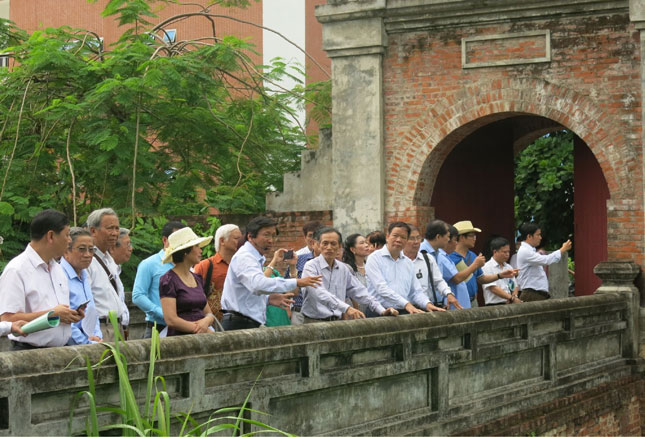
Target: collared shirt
[
  {"x": 421, "y": 271},
  {"x": 471, "y": 284},
  {"x": 5, "y": 328},
  {"x": 145, "y": 292},
  {"x": 448, "y": 271},
  {"x": 80, "y": 291},
  {"x": 338, "y": 283},
  {"x": 29, "y": 285},
  {"x": 530, "y": 263},
  {"x": 303, "y": 251},
  {"x": 303, "y": 257},
  {"x": 393, "y": 281},
  {"x": 492, "y": 267},
  {"x": 105, "y": 297},
  {"x": 246, "y": 289}
]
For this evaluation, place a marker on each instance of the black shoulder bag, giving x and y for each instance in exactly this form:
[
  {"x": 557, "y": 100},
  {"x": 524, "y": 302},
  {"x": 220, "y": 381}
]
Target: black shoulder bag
[{"x": 436, "y": 302}]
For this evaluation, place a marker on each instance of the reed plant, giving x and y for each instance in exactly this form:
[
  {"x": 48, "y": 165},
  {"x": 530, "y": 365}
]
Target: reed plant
[{"x": 156, "y": 417}]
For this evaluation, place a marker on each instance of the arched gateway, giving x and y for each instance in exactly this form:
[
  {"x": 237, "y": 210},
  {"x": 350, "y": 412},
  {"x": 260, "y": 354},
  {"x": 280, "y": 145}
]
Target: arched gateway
[{"x": 415, "y": 81}]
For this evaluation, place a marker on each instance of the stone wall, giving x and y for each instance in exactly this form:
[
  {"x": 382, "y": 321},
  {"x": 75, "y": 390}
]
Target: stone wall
[{"x": 430, "y": 373}]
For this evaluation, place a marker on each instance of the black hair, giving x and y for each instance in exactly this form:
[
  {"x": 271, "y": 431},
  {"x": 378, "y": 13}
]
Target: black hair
[
  {"x": 498, "y": 243},
  {"x": 45, "y": 221},
  {"x": 311, "y": 227},
  {"x": 436, "y": 228},
  {"x": 454, "y": 232},
  {"x": 376, "y": 238},
  {"x": 527, "y": 229},
  {"x": 348, "y": 255},
  {"x": 258, "y": 223},
  {"x": 179, "y": 256},
  {"x": 171, "y": 227},
  {"x": 403, "y": 225},
  {"x": 326, "y": 230}
]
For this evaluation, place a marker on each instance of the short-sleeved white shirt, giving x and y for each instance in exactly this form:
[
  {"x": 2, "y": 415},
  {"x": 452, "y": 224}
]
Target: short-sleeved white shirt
[{"x": 28, "y": 285}]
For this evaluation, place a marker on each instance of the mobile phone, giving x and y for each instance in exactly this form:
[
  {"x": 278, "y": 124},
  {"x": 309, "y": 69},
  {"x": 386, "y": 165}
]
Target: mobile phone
[
  {"x": 288, "y": 254},
  {"x": 82, "y": 306}
]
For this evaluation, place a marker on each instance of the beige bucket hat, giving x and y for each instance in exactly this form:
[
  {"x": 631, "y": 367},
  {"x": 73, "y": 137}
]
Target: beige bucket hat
[
  {"x": 183, "y": 239},
  {"x": 465, "y": 227}
]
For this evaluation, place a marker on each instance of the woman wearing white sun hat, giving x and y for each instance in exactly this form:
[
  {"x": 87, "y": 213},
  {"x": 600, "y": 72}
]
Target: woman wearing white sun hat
[{"x": 184, "y": 304}]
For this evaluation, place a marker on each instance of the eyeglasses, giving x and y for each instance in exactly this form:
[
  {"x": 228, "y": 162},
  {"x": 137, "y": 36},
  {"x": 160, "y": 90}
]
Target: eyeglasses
[
  {"x": 84, "y": 249},
  {"x": 417, "y": 238}
]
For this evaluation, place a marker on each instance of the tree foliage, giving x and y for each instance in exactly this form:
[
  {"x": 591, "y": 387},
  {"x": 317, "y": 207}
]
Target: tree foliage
[
  {"x": 145, "y": 126},
  {"x": 544, "y": 187}
]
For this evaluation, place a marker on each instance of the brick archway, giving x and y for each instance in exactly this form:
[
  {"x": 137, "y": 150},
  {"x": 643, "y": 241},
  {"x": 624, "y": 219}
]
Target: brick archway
[{"x": 449, "y": 121}]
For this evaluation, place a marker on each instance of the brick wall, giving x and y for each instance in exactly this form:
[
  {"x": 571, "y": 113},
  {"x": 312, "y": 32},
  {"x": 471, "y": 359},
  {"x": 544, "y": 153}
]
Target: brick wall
[{"x": 591, "y": 86}]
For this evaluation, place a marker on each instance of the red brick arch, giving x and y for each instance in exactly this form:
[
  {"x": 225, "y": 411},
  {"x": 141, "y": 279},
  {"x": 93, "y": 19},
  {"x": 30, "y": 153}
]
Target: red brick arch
[{"x": 448, "y": 121}]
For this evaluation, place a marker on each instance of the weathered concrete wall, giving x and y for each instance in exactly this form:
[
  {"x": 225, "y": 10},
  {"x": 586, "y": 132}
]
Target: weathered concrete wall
[{"x": 430, "y": 373}]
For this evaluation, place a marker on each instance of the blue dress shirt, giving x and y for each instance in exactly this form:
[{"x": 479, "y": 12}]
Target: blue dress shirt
[
  {"x": 300, "y": 265},
  {"x": 456, "y": 257},
  {"x": 448, "y": 271},
  {"x": 393, "y": 281},
  {"x": 246, "y": 289},
  {"x": 80, "y": 291},
  {"x": 145, "y": 292}
]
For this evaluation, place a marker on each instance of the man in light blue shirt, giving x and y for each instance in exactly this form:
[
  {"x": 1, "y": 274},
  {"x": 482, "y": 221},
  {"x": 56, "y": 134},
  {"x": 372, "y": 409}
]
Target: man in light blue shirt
[
  {"x": 327, "y": 302},
  {"x": 75, "y": 261},
  {"x": 391, "y": 277},
  {"x": 247, "y": 291},
  {"x": 145, "y": 292}
]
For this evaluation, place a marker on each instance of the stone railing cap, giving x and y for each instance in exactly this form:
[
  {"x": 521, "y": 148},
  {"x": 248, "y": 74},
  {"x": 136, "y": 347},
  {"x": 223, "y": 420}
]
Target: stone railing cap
[{"x": 617, "y": 271}]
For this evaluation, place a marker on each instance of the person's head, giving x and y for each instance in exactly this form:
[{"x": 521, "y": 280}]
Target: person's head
[
  {"x": 227, "y": 238},
  {"x": 501, "y": 249},
  {"x": 122, "y": 250},
  {"x": 185, "y": 247},
  {"x": 261, "y": 231},
  {"x": 168, "y": 229},
  {"x": 530, "y": 233},
  {"x": 329, "y": 241},
  {"x": 50, "y": 232},
  {"x": 308, "y": 230},
  {"x": 397, "y": 236},
  {"x": 80, "y": 251},
  {"x": 467, "y": 234},
  {"x": 414, "y": 241},
  {"x": 375, "y": 240},
  {"x": 451, "y": 245},
  {"x": 437, "y": 234},
  {"x": 104, "y": 226},
  {"x": 355, "y": 246}
]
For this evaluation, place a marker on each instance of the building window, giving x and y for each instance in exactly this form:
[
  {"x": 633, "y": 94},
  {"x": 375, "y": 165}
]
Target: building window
[
  {"x": 169, "y": 35},
  {"x": 4, "y": 61}
]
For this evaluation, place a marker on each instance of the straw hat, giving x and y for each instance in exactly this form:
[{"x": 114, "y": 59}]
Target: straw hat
[
  {"x": 465, "y": 227},
  {"x": 183, "y": 239}
]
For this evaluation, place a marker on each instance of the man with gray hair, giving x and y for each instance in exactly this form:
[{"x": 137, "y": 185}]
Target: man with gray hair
[
  {"x": 107, "y": 288},
  {"x": 213, "y": 270}
]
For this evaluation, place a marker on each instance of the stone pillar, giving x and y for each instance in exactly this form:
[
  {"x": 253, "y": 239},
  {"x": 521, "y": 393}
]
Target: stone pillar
[
  {"x": 618, "y": 277},
  {"x": 354, "y": 38},
  {"x": 559, "y": 278}
]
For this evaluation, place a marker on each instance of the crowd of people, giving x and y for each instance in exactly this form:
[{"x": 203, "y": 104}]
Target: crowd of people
[{"x": 74, "y": 274}]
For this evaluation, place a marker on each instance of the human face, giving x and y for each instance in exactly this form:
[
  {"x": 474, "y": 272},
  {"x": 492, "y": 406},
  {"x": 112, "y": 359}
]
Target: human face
[
  {"x": 503, "y": 254},
  {"x": 233, "y": 241},
  {"x": 441, "y": 241},
  {"x": 329, "y": 246},
  {"x": 469, "y": 239},
  {"x": 451, "y": 245},
  {"x": 264, "y": 240},
  {"x": 309, "y": 240},
  {"x": 412, "y": 246},
  {"x": 60, "y": 241},
  {"x": 194, "y": 256},
  {"x": 535, "y": 239},
  {"x": 122, "y": 253},
  {"x": 81, "y": 253},
  {"x": 361, "y": 248},
  {"x": 107, "y": 233},
  {"x": 396, "y": 240}
]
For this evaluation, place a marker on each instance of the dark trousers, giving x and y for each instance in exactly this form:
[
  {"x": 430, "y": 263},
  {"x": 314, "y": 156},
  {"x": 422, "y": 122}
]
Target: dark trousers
[
  {"x": 149, "y": 325},
  {"x": 235, "y": 321},
  {"x": 531, "y": 295}
]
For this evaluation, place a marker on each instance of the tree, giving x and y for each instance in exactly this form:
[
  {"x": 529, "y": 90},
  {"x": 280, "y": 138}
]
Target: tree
[{"x": 544, "y": 187}]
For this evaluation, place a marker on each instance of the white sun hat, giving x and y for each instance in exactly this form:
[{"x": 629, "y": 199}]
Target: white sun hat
[{"x": 183, "y": 239}]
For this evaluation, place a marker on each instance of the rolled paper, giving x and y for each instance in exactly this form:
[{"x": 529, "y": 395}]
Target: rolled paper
[{"x": 46, "y": 321}]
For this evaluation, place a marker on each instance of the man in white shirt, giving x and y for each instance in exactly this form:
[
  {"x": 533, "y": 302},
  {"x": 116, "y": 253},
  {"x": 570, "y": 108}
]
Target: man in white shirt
[
  {"x": 533, "y": 282},
  {"x": 33, "y": 283},
  {"x": 503, "y": 290},
  {"x": 391, "y": 277},
  {"x": 433, "y": 284},
  {"x": 107, "y": 288},
  {"x": 247, "y": 291},
  {"x": 327, "y": 302}
]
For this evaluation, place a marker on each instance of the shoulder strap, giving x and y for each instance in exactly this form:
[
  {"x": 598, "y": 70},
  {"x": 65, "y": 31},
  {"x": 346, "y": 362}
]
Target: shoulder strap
[
  {"x": 430, "y": 278},
  {"x": 107, "y": 272},
  {"x": 207, "y": 280}
]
